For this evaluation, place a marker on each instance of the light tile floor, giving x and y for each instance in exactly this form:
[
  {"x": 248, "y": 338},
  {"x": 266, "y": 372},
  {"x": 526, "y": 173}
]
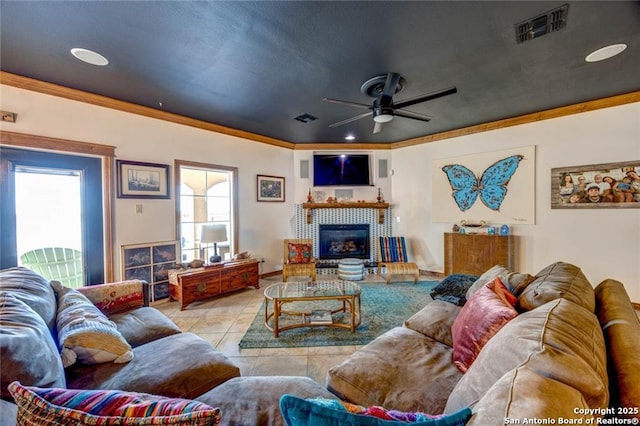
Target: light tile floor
[{"x": 224, "y": 320}]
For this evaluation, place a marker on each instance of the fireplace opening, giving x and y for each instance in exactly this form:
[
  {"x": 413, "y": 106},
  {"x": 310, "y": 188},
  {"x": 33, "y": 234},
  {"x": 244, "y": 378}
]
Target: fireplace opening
[{"x": 340, "y": 241}]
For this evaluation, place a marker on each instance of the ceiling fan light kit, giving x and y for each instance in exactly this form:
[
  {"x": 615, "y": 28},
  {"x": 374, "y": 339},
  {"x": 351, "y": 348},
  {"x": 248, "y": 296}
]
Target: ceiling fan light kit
[{"x": 383, "y": 109}]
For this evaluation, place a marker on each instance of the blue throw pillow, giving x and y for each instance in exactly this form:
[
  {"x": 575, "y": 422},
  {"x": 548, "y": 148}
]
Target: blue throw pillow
[
  {"x": 453, "y": 289},
  {"x": 326, "y": 412}
]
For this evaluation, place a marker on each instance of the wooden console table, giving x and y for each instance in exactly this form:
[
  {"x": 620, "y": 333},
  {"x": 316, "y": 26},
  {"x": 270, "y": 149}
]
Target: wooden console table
[
  {"x": 381, "y": 207},
  {"x": 476, "y": 253},
  {"x": 203, "y": 283}
]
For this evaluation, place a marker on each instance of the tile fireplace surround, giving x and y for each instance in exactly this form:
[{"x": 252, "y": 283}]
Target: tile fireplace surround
[{"x": 343, "y": 216}]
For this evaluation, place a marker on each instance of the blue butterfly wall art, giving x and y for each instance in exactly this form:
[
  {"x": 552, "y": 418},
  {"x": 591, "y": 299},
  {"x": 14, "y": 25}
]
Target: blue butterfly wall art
[{"x": 491, "y": 187}]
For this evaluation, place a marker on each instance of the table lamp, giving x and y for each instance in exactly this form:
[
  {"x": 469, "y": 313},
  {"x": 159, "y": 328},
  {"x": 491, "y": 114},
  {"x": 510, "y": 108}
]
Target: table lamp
[{"x": 214, "y": 233}]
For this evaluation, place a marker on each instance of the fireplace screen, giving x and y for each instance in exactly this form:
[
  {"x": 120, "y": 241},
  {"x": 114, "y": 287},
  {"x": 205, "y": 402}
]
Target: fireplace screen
[{"x": 340, "y": 241}]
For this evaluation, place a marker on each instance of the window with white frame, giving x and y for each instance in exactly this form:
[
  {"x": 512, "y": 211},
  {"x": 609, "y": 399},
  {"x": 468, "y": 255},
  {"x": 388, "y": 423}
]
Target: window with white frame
[{"x": 206, "y": 197}]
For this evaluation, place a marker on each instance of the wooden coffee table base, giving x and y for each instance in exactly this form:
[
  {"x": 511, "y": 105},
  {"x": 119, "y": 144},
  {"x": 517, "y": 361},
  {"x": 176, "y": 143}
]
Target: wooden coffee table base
[{"x": 350, "y": 305}]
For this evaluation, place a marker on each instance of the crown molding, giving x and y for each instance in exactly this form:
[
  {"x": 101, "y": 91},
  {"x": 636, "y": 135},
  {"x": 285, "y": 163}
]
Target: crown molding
[{"x": 103, "y": 101}]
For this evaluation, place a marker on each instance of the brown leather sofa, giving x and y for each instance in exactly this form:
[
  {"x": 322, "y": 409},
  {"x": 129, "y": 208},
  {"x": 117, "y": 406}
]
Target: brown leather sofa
[{"x": 552, "y": 361}]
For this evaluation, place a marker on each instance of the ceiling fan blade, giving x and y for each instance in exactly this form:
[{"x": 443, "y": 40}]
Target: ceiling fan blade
[
  {"x": 411, "y": 114},
  {"x": 355, "y": 104},
  {"x": 349, "y": 120},
  {"x": 377, "y": 127},
  {"x": 390, "y": 84},
  {"x": 428, "y": 97}
]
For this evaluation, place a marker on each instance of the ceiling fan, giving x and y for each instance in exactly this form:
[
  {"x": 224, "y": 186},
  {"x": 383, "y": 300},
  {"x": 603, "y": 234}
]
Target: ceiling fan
[{"x": 383, "y": 109}]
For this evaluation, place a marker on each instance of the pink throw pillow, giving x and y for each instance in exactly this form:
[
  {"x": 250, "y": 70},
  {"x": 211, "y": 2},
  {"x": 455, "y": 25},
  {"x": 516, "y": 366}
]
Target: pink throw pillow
[{"x": 484, "y": 314}]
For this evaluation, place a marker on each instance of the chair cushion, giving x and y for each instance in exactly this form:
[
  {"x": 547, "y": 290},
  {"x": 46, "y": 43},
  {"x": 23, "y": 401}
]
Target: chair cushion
[
  {"x": 488, "y": 310},
  {"x": 393, "y": 249},
  {"x": 300, "y": 253},
  {"x": 328, "y": 412},
  {"x": 28, "y": 352},
  {"x": 38, "y": 406}
]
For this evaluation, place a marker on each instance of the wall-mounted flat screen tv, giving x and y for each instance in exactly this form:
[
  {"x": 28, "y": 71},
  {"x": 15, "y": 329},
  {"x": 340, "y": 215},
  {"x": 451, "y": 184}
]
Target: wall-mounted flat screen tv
[{"x": 341, "y": 169}]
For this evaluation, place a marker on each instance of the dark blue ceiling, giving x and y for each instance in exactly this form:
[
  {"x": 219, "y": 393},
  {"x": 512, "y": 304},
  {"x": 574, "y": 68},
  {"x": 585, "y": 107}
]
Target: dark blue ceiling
[{"x": 254, "y": 66}]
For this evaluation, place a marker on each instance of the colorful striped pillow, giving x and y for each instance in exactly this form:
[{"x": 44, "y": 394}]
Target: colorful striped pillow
[
  {"x": 40, "y": 406},
  {"x": 393, "y": 249}
]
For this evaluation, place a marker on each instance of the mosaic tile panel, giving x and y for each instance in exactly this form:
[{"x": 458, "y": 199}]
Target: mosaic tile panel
[{"x": 339, "y": 216}]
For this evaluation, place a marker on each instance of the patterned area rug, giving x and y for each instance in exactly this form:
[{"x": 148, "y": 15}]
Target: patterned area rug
[{"x": 383, "y": 307}]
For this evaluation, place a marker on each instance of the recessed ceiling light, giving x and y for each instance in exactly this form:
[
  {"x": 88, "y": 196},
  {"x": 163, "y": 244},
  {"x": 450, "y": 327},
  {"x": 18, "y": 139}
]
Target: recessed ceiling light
[
  {"x": 349, "y": 137},
  {"x": 89, "y": 56},
  {"x": 605, "y": 53}
]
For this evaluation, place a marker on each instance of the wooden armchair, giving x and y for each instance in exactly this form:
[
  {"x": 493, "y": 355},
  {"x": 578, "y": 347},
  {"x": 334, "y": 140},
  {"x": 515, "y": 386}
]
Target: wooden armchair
[
  {"x": 392, "y": 255},
  {"x": 298, "y": 259},
  {"x": 56, "y": 263}
]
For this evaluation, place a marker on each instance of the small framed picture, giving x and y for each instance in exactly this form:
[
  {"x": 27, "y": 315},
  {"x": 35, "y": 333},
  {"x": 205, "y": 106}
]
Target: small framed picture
[
  {"x": 142, "y": 180},
  {"x": 270, "y": 188}
]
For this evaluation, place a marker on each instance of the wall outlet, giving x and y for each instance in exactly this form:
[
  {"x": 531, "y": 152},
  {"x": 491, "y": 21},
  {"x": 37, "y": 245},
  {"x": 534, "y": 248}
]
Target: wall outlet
[{"x": 262, "y": 260}]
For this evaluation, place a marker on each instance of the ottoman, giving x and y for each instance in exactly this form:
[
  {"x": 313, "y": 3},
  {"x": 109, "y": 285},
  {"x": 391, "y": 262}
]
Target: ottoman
[{"x": 351, "y": 269}]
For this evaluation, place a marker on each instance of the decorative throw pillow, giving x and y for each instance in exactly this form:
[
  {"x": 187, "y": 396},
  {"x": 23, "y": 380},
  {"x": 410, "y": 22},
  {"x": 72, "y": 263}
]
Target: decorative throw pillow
[
  {"x": 453, "y": 288},
  {"x": 300, "y": 253},
  {"x": 484, "y": 314},
  {"x": 515, "y": 282},
  {"x": 320, "y": 411},
  {"x": 39, "y": 406},
  {"x": 85, "y": 334},
  {"x": 117, "y": 297}
]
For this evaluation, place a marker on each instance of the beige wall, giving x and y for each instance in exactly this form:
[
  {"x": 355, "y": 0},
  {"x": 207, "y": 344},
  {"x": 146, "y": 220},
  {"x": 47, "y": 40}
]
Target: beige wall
[
  {"x": 144, "y": 139},
  {"x": 604, "y": 242}
]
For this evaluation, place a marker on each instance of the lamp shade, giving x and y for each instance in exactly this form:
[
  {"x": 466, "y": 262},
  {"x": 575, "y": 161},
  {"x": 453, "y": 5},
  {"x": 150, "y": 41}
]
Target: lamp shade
[{"x": 213, "y": 233}]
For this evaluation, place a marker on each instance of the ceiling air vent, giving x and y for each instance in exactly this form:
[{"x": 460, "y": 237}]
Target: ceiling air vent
[
  {"x": 305, "y": 118},
  {"x": 548, "y": 22}
]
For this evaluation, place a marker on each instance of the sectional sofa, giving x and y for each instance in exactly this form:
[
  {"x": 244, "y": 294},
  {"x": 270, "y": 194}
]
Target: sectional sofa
[
  {"x": 570, "y": 352},
  {"x": 156, "y": 357}
]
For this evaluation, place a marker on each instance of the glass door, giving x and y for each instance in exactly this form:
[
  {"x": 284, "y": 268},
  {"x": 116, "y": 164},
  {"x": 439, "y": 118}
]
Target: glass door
[{"x": 52, "y": 215}]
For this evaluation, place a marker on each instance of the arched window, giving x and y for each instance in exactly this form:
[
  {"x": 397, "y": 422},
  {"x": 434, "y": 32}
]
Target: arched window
[{"x": 207, "y": 196}]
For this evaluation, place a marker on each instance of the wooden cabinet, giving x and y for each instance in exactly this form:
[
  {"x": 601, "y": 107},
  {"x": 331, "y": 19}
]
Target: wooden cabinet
[
  {"x": 189, "y": 286},
  {"x": 476, "y": 253}
]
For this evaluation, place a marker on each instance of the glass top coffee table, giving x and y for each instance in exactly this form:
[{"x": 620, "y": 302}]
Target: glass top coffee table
[{"x": 325, "y": 293}]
